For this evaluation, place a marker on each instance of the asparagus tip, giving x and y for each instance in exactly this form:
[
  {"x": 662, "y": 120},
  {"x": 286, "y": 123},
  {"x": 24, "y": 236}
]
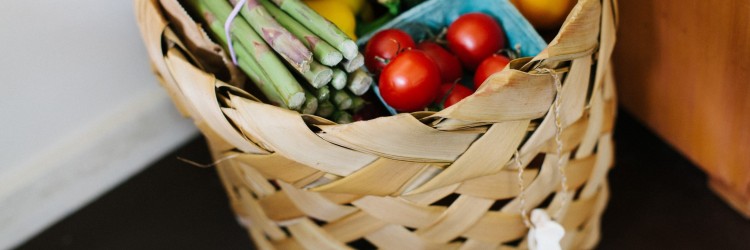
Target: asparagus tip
[{"x": 348, "y": 49}]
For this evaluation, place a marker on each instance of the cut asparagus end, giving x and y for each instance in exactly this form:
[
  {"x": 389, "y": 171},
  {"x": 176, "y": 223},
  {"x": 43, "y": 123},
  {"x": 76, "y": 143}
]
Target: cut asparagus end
[
  {"x": 319, "y": 75},
  {"x": 342, "y": 117},
  {"x": 325, "y": 109},
  {"x": 322, "y": 78},
  {"x": 296, "y": 100},
  {"x": 354, "y": 64},
  {"x": 322, "y": 93},
  {"x": 331, "y": 59},
  {"x": 358, "y": 103},
  {"x": 339, "y": 79},
  {"x": 341, "y": 99},
  {"x": 311, "y": 104},
  {"x": 348, "y": 49},
  {"x": 346, "y": 104},
  {"x": 359, "y": 82}
]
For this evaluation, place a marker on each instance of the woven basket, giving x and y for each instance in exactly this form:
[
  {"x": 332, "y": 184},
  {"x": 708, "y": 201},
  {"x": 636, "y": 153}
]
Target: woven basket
[{"x": 423, "y": 180}]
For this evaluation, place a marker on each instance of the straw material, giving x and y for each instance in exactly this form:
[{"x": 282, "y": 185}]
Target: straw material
[{"x": 424, "y": 180}]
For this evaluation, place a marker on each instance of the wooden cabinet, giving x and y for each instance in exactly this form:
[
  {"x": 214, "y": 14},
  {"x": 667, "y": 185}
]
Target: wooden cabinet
[{"x": 683, "y": 68}]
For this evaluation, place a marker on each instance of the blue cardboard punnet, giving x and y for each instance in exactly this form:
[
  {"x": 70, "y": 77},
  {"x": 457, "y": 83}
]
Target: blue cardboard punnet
[{"x": 434, "y": 15}]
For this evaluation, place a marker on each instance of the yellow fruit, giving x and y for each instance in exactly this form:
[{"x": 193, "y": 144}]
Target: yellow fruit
[
  {"x": 354, "y": 5},
  {"x": 545, "y": 14},
  {"x": 337, "y": 12}
]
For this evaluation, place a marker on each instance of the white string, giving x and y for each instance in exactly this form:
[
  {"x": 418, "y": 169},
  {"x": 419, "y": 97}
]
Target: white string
[
  {"x": 216, "y": 162},
  {"x": 522, "y": 193},
  {"x": 228, "y": 25},
  {"x": 544, "y": 232},
  {"x": 558, "y": 140},
  {"x": 556, "y": 106}
]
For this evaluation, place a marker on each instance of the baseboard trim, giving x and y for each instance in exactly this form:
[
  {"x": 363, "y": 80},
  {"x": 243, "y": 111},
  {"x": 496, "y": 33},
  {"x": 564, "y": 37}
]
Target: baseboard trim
[{"x": 86, "y": 164}]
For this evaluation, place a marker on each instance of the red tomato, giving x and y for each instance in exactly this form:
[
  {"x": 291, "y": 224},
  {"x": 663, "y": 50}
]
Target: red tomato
[
  {"x": 384, "y": 46},
  {"x": 489, "y": 66},
  {"x": 450, "y": 67},
  {"x": 410, "y": 82},
  {"x": 474, "y": 37},
  {"x": 454, "y": 95}
]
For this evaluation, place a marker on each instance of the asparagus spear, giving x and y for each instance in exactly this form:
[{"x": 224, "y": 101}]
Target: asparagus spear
[
  {"x": 339, "y": 79},
  {"x": 320, "y": 26},
  {"x": 322, "y": 93},
  {"x": 325, "y": 109},
  {"x": 311, "y": 104},
  {"x": 359, "y": 82},
  {"x": 342, "y": 117},
  {"x": 257, "y": 76},
  {"x": 319, "y": 75},
  {"x": 357, "y": 104},
  {"x": 341, "y": 99},
  {"x": 213, "y": 12},
  {"x": 322, "y": 51},
  {"x": 275, "y": 35},
  {"x": 252, "y": 69},
  {"x": 354, "y": 64}
]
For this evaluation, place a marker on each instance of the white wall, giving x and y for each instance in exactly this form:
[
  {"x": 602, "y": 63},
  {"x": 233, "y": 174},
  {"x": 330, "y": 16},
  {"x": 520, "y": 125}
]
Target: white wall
[{"x": 79, "y": 108}]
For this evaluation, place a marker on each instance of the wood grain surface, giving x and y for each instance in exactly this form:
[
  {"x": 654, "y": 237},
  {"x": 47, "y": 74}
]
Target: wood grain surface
[{"x": 682, "y": 68}]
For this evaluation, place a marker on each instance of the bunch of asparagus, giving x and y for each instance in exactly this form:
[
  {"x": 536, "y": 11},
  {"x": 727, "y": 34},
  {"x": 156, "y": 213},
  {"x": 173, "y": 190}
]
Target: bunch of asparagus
[{"x": 312, "y": 48}]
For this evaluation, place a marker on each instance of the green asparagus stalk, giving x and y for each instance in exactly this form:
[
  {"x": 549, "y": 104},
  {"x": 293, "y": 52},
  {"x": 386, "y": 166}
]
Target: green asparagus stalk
[
  {"x": 339, "y": 79},
  {"x": 325, "y": 109},
  {"x": 359, "y": 81},
  {"x": 282, "y": 41},
  {"x": 257, "y": 76},
  {"x": 341, "y": 99},
  {"x": 354, "y": 64},
  {"x": 342, "y": 117},
  {"x": 322, "y": 94},
  {"x": 358, "y": 103},
  {"x": 319, "y": 75},
  {"x": 311, "y": 104},
  {"x": 252, "y": 69},
  {"x": 322, "y": 51},
  {"x": 213, "y": 12},
  {"x": 320, "y": 26}
]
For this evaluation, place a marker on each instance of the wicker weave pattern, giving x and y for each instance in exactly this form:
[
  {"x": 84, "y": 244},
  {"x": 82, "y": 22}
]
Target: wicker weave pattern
[{"x": 462, "y": 194}]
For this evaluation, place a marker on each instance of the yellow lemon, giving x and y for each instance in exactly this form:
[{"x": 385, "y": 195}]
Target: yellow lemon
[
  {"x": 545, "y": 14},
  {"x": 337, "y": 12}
]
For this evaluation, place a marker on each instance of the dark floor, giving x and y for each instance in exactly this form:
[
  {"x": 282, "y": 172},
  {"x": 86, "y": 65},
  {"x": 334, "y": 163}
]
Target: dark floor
[{"x": 659, "y": 201}]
